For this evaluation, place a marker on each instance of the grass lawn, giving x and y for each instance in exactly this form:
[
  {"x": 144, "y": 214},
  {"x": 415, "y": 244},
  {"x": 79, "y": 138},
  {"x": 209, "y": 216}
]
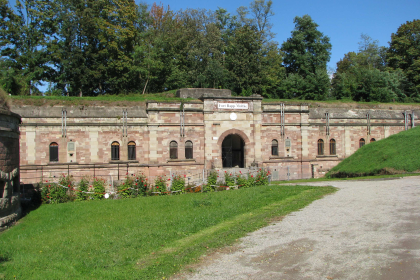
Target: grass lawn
[
  {"x": 398, "y": 153},
  {"x": 140, "y": 238}
]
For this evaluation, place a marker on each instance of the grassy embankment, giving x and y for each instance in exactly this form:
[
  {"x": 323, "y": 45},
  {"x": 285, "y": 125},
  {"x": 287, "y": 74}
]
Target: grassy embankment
[
  {"x": 135, "y": 99},
  {"x": 399, "y": 153},
  {"x": 141, "y": 238}
]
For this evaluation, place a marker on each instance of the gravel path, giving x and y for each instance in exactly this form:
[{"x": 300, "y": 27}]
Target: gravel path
[{"x": 366, "y": 230}]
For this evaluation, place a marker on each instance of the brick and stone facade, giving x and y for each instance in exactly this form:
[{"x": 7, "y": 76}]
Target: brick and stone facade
[
  {"x": 224, "y": 131},
  {"x": 10, "y": 209}
]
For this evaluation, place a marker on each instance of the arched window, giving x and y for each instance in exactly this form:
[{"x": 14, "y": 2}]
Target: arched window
[
  {"x": 131, "y": 150},
  {"x": 188, "y": 150},
  {"x": 53, "y": 152},
  {"x": 332, "y": 147},
  {"x": 361, "y": 142},
  {"x": 372, "y": 140},
  {"x": 115, "y": 151},
  {"x": 320, "y": 147},
  {"x": 274, "y": 147},
  {"x": 173, "y": 150}
]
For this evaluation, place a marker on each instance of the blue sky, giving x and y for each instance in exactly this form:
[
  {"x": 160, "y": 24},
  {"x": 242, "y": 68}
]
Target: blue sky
[{"x": 342, "y": 21}]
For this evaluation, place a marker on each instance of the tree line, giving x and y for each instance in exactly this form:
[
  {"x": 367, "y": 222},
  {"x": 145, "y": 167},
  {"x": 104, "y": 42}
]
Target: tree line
[{"x": 96, "y": 47}]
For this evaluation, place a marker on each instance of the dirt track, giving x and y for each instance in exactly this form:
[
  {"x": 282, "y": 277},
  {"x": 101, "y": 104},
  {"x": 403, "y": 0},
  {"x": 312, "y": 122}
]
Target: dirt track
[{"x": 366, "y": 230}]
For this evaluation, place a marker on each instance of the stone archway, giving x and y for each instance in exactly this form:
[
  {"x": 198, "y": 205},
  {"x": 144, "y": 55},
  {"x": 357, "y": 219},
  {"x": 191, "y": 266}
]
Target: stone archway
[
  {"x": 234, "y": 148},
  {"x": 233, "y": 153}
]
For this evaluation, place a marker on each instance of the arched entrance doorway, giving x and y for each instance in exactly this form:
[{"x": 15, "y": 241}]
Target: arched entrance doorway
[{"x": 233, "y": 151}]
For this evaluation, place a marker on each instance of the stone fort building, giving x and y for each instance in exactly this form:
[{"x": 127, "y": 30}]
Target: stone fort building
[{"x": 213, "y": 130}]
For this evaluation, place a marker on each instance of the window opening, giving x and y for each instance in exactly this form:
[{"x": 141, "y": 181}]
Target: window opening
[
  {"x": 320, "y": 147},
  {"x": 361, "y": 142},
  {"x": 131, "y": 150},
  {"x": 53, "y": 152},
  {"x": 115, "y": 151},
  {"x": 274, "y": 148},
  {"x": 173, "y": 150},
  {"x": 332, "y": 147},
  {"x": 188, "y": 150}
]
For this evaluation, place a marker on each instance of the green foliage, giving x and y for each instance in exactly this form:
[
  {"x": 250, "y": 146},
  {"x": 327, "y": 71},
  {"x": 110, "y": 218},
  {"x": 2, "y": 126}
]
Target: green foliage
[
  {"x": 404, "y": 54},
  {"x": 229, "y": 179},
  {"x": 262, "y": 177},
  {"x": 98, "y": 188},
  {"x": 133, "y": 186},
  {"x": 397, "y": 153},
  {"x": 53, "y": 193},
  {"x": 125, "y": 239},
  {"x": 362, "y": 84},
  {"x": 211, "y": 181},
  {"x": 178, "y": 183},
  {"x": 160, "y": 184},
  {"x": 83, "y": 187},
  {"x": 306, "y": 54},
  {"x": 3, "y": 99}
]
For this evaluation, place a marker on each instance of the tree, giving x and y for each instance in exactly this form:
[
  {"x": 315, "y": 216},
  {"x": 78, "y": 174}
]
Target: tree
[
  {"x": 364, "y": 84},
  {"x": 306, "y": 54},
  {"x": 404, "y": 54}
]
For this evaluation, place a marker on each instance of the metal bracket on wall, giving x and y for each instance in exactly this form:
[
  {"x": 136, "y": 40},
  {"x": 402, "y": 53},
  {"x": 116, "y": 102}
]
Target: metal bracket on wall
[
  {"x": 282, "y": 119},
  {"x": 125, "y": 115},
  {"x": 327, "y": 127},
  {"x": 182, "y": 123},
  {"x": 64, "y": 122}
]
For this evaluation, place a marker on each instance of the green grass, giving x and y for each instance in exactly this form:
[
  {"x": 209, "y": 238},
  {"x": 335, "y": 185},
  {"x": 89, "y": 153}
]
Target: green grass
[
  {"x": 141, "y": 238},
  {"x": 399, "y": 153},
  {"x": 118, "y": 100}
]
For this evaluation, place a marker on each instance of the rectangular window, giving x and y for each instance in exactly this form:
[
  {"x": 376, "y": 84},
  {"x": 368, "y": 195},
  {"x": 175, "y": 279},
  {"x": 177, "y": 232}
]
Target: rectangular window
[{"x": 131, "y": 151}]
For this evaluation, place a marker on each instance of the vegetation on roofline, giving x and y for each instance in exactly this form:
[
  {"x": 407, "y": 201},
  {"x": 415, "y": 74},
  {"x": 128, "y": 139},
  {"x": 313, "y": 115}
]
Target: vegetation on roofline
[
  {"x": 169, "y": 96},
  {"x": 398, "y": 153}
]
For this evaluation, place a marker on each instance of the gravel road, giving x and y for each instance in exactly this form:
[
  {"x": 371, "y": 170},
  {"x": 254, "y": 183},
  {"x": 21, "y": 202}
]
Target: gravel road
[{"x": 366, "y": 230}]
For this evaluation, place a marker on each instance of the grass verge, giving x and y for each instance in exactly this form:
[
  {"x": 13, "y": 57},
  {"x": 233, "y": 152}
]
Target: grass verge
[{"x": 142, "y": 238}]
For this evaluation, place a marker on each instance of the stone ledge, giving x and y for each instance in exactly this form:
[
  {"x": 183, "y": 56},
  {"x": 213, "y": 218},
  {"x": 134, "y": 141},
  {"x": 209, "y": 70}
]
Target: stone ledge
[{"x": 181, "y": 160}]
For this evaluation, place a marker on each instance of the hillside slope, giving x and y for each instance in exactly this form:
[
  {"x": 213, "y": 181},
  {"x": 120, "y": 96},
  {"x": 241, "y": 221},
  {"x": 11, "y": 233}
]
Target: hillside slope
[{"x": 399, "y": 153}]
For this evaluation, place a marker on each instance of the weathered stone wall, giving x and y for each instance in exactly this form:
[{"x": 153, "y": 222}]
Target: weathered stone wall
[
  {"x": 10, "y": 209},
  {"x": 205, "y": 123}
]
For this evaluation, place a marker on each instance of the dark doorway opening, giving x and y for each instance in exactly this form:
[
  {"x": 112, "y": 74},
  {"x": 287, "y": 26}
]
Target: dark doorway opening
[{"x": 233, "y": 151}]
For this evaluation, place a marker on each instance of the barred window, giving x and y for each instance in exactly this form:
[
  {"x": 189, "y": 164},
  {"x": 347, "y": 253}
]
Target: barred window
[
  {"x": 131, "y": 150},
  {"x": 53, "y": 152},
  {"x": 115, "y": 151},
  {"x": 320, "y": 147},
  {"x": 274, "y": 147},
  {"x": 188, "y": 150},
  {"x": 332, "y": 147},
  {"x": 173, "y": 150},
  {"x": 361, "y": 142},
  {"x": 372, "y": 140}
]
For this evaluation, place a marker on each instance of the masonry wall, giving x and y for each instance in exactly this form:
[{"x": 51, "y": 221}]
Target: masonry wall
[
  {"x": 155, "y": 125},
  {"x": 10, "y": 209}
]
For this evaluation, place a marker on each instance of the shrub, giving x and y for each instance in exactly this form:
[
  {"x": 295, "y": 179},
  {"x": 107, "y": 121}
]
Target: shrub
[
  {"x": 211, "y": 181},
  {"x": 160, "y": 185},
  {"x": 53, "y": 193},
  {"x": 67, "y": 181},
  {"x": 262, "y": 177},
  {"x": 83, "y": 188},
  {"x": 98, "y": 188},
  {"x": 229, "y": 179},
  {"x": 178, "y": 183}
]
